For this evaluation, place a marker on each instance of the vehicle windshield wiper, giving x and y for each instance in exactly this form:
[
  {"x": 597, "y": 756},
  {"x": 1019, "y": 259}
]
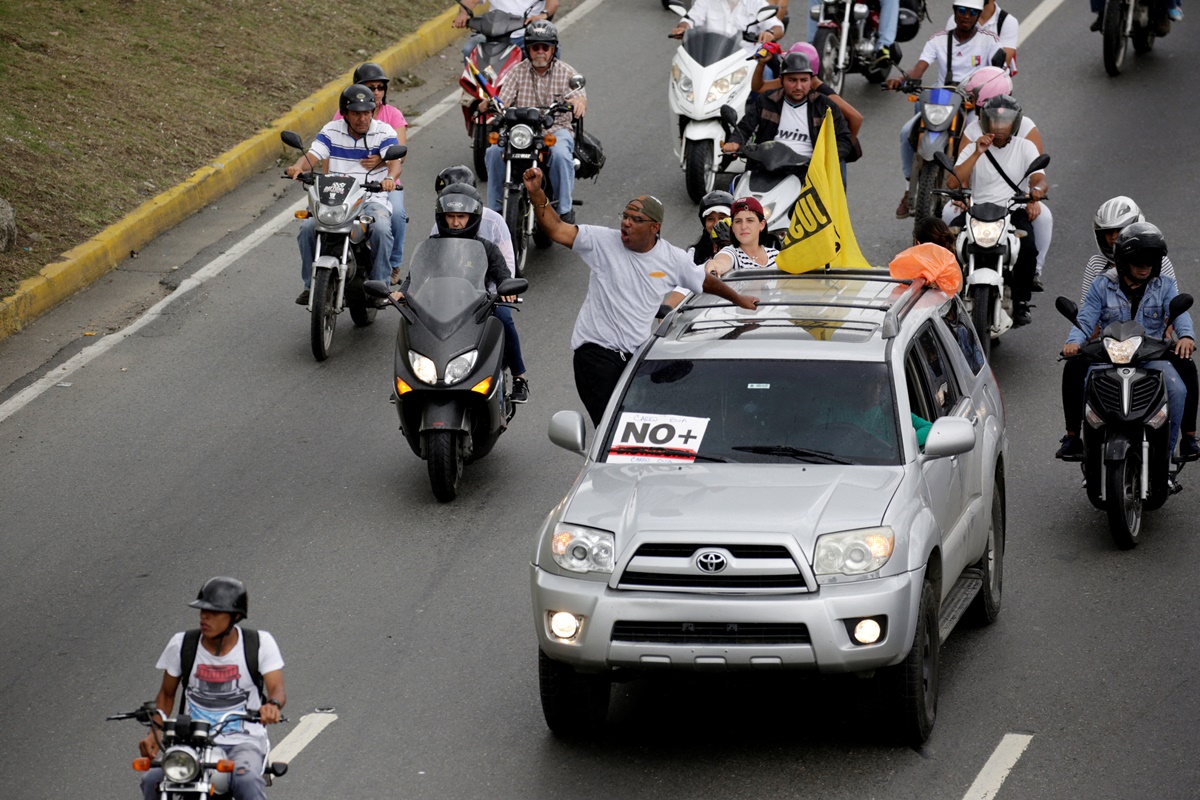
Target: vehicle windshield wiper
[
  {"x": 798, "y": 453},
  {"x": 668, "y": 452}
]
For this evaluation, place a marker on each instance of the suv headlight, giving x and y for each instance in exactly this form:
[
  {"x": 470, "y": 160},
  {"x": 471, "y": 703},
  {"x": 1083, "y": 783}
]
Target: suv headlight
[
  {"x": 423, "y": 367},
  {"x": 581, "y": 549},
  {"x": 520, "y": 136},
  {"x": 986, "y": 234},
  {"x": 853, "y": 552},
  {"x": 461, "y": 366},
  {"x": 180, "y": 766},
  {"x": 1122, "y": 352}
]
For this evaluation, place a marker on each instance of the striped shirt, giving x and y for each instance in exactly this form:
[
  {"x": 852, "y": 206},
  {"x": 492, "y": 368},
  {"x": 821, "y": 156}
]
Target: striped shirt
[
  {"x": 524, "y": 88},
  {"x": 1097, "y": 265},
  {"x": 343, "y": 152},
  {"x": 743, "y": 260}
]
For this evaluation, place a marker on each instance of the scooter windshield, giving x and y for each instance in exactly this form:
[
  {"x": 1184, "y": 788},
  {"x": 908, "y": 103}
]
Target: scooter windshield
[
  {"x": 495, "y": 24},
  {"x": 709, "y": 47},
  {"x": 448, "y": 283}
]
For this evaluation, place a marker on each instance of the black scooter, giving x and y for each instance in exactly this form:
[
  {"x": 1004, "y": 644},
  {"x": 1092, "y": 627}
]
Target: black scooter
[
  {"x": 1127, "y": 465},
  {"x": 452, "y": 392}
]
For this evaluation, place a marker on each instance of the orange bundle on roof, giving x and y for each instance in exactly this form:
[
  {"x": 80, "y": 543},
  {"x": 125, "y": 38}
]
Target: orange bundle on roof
[{"x": 934, "y": 263}]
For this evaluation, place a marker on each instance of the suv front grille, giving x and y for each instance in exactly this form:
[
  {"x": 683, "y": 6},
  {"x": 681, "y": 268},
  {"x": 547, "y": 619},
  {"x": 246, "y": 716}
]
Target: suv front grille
[
  {"x": 652, "y": 580},
  {"x": 699, "y": 633},
  {"x": 671, "y": 550},
  {"x": 743, "y": 568}
]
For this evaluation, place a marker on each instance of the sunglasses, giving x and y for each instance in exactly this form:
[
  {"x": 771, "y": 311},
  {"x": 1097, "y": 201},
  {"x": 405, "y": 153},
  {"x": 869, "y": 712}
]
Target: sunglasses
[
  {"x": 378, "y": 87},
  {"x": 970, "y": 12},
  {"x": 536, "y": 46}
]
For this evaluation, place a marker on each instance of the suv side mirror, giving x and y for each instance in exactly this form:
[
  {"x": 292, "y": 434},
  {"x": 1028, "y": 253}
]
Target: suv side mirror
[
  {"x": 950, "y": 436},
  {"x": 568, "y": 431}
]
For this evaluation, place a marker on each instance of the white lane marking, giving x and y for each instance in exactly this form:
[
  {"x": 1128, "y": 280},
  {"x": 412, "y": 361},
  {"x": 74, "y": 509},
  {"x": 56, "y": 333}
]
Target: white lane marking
[
  {"x": 213, "y": 268},
  {"x": 1036, "y": 18},
  {"x": 1003, "y": 759},
  {"x": 301, "y": 736}
]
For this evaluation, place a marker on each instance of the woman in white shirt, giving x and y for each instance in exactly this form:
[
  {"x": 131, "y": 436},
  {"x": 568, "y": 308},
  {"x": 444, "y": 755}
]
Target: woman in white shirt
[{"x": 747, "y": 251}]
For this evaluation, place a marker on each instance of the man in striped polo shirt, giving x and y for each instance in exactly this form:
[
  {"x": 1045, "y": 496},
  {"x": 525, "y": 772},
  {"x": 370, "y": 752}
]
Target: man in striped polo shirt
[{"x": 353, "y": 146}]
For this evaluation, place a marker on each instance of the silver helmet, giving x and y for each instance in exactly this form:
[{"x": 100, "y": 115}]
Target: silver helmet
[{"x": 1114, "y": 215}]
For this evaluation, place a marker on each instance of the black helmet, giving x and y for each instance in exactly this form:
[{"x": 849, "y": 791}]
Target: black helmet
[
  {"x": 356, "y": 97},
  {"x": 1000, "y": 111},
  {"x": 459, "y": 198},
  {"x": 457, "y": 174},
  {"x": 715, "y": 200},
  {"x": 794, "y": 63},
  {"x": 223, "y": 594},
  {"x": 370, "y": 71},
  {"x": 541, "y": 30},
  {"x": 1140, "y": 243}
]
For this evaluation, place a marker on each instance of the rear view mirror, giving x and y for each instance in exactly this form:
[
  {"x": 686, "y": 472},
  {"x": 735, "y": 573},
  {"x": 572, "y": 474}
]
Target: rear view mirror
[
  {"x": 395, "y": 152},
  {"x": 766, "y": 13},
  {"x": 291, "y": 139},
  {"x": 1067, "y": 308},
  {"x": 377, "y": 288},
  {"x": 1039, "y": 163},
  {"x": 568, "y": 431},
  {"x": 950, "y": 436},
  {"x": 577, "y": 81},
  {"x": 1179, "y": 304},
  {"x": 999, "y": 58},
  {"x": 943, "y": 161},
  {"x": 678, "y": 8},
  {"x": 512, "y": 286}
]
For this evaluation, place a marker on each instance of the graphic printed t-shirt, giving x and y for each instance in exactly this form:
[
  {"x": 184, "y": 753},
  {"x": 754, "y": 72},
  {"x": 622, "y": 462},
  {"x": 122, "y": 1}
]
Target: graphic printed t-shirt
[
  {"x": 793, "y": 128},
  {"x": 1014, "y": 158},
  {"x": 626, "y": 287},
  {"x": 967, "y": 56},
  {"x": 222, "y": 684}
]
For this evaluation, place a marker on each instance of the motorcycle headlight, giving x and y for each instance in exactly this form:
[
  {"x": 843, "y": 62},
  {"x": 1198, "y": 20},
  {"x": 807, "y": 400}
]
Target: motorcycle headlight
[
  {"x": 686, "y": 88},
  {"x": 987, "y": 234},
  {"x": 675, "y": 73},
  {"x": 726, "y": 84},
  {"x": 582, "y": 549},
  {"x": 333, "y": 215},
  {"x": 180, "y": 766},
  {"x": 460, "y": 366},
  {"x": 937, "y": 115},
  {"x": 422, "y": 367},
  {"x": 768, "y": 210},
  {"x": 853, "y": 552},
  {"x": 520, "y": 136},
  {"x": 1122, "y": 352}
]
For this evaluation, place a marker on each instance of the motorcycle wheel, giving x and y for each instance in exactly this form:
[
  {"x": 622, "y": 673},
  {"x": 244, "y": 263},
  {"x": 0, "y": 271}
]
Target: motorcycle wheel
[
  {"x": 574, "y": 704},
  {"x": 1124, "y": 502},
  {"x": 827, "y": 42},
  {"x": 927, "y": 202},
  {"x": 1143, "y": 41},
  {"x": 324, "y": 316},
  {"x": 698, "y": 171},
  {"x": 362, "y": 310},
  {"x": 445, "y": 463},
  {"x": 982, "y": 298},
  {"x": 514, "y": 218},
  {"x": 479, "y": 146},
  {"x": 1114, "y": 36}
]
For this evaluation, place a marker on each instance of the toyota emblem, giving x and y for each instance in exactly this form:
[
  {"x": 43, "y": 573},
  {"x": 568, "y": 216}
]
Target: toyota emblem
[{"x": 711, "y": 561}]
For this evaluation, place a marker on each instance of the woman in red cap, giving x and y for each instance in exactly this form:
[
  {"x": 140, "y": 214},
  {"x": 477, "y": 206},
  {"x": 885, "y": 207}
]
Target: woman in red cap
[{"x": 747, "y": 250}]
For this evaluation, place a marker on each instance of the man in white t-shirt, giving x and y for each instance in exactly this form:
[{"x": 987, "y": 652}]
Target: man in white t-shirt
[
  {"x": 954, "y": 54},
  {"x": 220, "y": 680},
  {"x": 632, "y": 270},
  {"x": 731, "y": 17},
  {"x": 983, "y": 165},
  {"x": 531, "y": 10},
  {"x": 1006, "y": 27}
]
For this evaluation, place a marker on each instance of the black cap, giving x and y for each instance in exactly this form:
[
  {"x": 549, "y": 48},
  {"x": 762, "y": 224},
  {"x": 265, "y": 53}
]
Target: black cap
[{"x": 223, "y": 594}]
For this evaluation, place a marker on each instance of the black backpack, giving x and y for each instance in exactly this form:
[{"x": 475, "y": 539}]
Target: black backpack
[
  {"x": 589, "y": 152},
  {"x": 187, "y": 657}
]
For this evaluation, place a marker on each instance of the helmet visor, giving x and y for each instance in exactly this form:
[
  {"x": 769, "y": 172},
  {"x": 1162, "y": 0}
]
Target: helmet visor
[{"x": 998, "y": 120}]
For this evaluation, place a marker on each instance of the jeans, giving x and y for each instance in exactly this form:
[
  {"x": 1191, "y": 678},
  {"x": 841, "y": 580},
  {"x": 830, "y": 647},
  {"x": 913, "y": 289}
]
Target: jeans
[
  {"x": 381, "y": 244},
  {"x": 245, "y": 783},
  {"x": 512, "y": 342},
  {"x": 399, "y": 224},
  {"x": 561, "y": 172},
  {"x": 889, "y": 18},
  {"x": 907, "y": 154}
]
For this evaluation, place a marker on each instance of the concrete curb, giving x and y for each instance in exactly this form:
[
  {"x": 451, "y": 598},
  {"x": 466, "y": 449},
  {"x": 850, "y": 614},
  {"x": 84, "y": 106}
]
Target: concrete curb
[{"x": 80, "y": 266}]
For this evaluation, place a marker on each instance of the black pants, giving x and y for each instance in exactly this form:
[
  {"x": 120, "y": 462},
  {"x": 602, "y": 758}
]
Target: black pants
[
  {"x": 597, "y": 370},
  {"x": 1075, "y": 375},
  {"x": 1025, "y": 269}
]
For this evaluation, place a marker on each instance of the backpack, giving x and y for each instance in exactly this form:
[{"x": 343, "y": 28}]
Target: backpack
[
  {"x": 589, "y": 152},
  {"x": 187, "y": 657}
]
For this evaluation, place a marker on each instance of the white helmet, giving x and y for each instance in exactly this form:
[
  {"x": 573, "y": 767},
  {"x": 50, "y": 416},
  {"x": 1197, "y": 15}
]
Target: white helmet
[
  {"x": 1114, "y": 215},
  {"x": 975, "y": 4}
]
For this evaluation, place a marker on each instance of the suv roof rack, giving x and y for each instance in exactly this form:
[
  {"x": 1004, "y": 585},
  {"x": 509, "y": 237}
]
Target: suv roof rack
[{"x": 893, "y": 313}]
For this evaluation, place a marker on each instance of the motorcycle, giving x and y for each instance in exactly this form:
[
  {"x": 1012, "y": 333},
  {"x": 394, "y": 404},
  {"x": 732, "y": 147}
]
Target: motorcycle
[
  {"x": 1137, "y": 20},
  {"x": 194, "y": 766},
  {"x": 452, "y": 392},
  {"x": 524, "y": 144},
  {"x": 343, "y": 257},
  {"x": 848, "y": 38},
  {"x": 987, "y": 248},
  {"x": 492, "y": 59},
  {"x": 1126, "y": 461},
  {"x": 940, "y": 129},
  {"x": 774, "y": 177},
  {"x": 710, "y": 69}
]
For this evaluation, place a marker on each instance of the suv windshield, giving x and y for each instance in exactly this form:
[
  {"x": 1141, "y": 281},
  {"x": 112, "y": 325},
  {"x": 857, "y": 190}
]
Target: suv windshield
[{"x": 814, "y": 412}]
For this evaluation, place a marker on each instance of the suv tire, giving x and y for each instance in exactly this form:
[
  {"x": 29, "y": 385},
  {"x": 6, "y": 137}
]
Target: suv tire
[
  {"x": 574, "y": 704},
  {"x": 986, "y": 605},
  {"x": 911, "y": 687}
]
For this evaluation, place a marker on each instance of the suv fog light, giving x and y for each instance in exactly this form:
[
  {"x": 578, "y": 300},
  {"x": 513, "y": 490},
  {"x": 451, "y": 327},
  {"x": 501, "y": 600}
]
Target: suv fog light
[
  {"x": 867, "y": 631},
  {"x": 564, "y": 624}
]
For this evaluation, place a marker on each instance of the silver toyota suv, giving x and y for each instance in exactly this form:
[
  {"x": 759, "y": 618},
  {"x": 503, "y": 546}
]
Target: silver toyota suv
[{"x": 816, "y": 485}]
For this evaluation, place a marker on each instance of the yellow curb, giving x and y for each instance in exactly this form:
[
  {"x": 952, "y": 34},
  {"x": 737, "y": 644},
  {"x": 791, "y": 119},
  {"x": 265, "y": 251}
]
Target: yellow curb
[{"x": 80, "y": 266}]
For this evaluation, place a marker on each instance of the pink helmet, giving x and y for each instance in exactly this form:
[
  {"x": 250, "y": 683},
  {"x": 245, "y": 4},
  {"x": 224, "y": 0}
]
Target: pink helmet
[
  {"x": 810, "y": 51},
  {"x": 987, "y": 82}
]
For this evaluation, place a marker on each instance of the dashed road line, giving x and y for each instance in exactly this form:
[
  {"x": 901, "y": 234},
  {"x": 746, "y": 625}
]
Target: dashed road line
[{"x": 1004, "y": 758}]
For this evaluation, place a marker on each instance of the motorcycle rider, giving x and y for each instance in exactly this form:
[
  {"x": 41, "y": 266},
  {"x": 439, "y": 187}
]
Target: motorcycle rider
[
  {"x": 1135, "y": 289},
  {"x": 459, "y": 215},
  {"x": 714, "y": 207},
  {"x": 954, "y": 54},
  {"x": 491, "y": 227},
  {"x": 348, "y": 145},
  {"x": 540, "y": 80},
  {"x": 731, "y": 17},
  {"x": 1006, "y": 27},
  {"x": 531, "y": 12},
  {"x": 791, "y": 115},
  {"x": 374, "y": 77},
  {"x": 207, "y": 693},
  {"x": 1112, "y": 217},
  {"x": 988, "y": 166}
]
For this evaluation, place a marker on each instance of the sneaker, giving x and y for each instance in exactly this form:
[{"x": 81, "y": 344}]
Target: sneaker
[
  {"x": 568, "y": 217},
  {"x": 883, "y": 56},
  {"x": 1175, "y": 14},
  {"x": 397, "y": 274},
  {"x": 1098, "y": 23},
  {"x": 1021, "y": 315},
  {"x": 902, "y": 210},
  {"x": 1037, "y": 284},
  {"x": 302, "y": 300},
  {"x": 1072, "y": 447},
  {"x": 1189, "y": 448},
  {"x": 520, "y": 391}
]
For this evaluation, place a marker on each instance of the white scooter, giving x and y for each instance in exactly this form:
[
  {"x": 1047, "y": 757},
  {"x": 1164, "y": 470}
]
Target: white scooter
[
  {"x": 709, "y": 70},
  {"x": 774, "y": 177}
]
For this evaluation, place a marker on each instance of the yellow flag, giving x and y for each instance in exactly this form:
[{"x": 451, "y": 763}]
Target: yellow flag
[{"x": 820, "y": 233}]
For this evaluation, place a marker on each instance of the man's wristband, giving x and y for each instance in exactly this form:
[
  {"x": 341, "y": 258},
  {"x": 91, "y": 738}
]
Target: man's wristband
[
  {"x": 542, "y": 205},
  {"x": 273, "y": 702}
]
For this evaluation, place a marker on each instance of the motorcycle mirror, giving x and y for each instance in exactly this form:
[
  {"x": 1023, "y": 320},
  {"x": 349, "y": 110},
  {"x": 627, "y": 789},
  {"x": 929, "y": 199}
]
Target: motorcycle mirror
[
  {"x": 377, "y": 288},
  {"x": 278, "y": 768},
  {"x": 678, "y": 8},
  {"x": 512, "y": 286},
  {"x": 395, "y": 152},
  {"x": 577, "y": 81},
  {"x": 766, "y": 13},
  {"x": 1041, "y": 162},
  {"x": 291, "y": 139},
  {"x": 999, "y": 58},
  {"x": 1066, "y": 307},
  {"x": 1179, "y": 304},
  {"x": 729, "y": 116},
  {"x": 943, "y": 161}
]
